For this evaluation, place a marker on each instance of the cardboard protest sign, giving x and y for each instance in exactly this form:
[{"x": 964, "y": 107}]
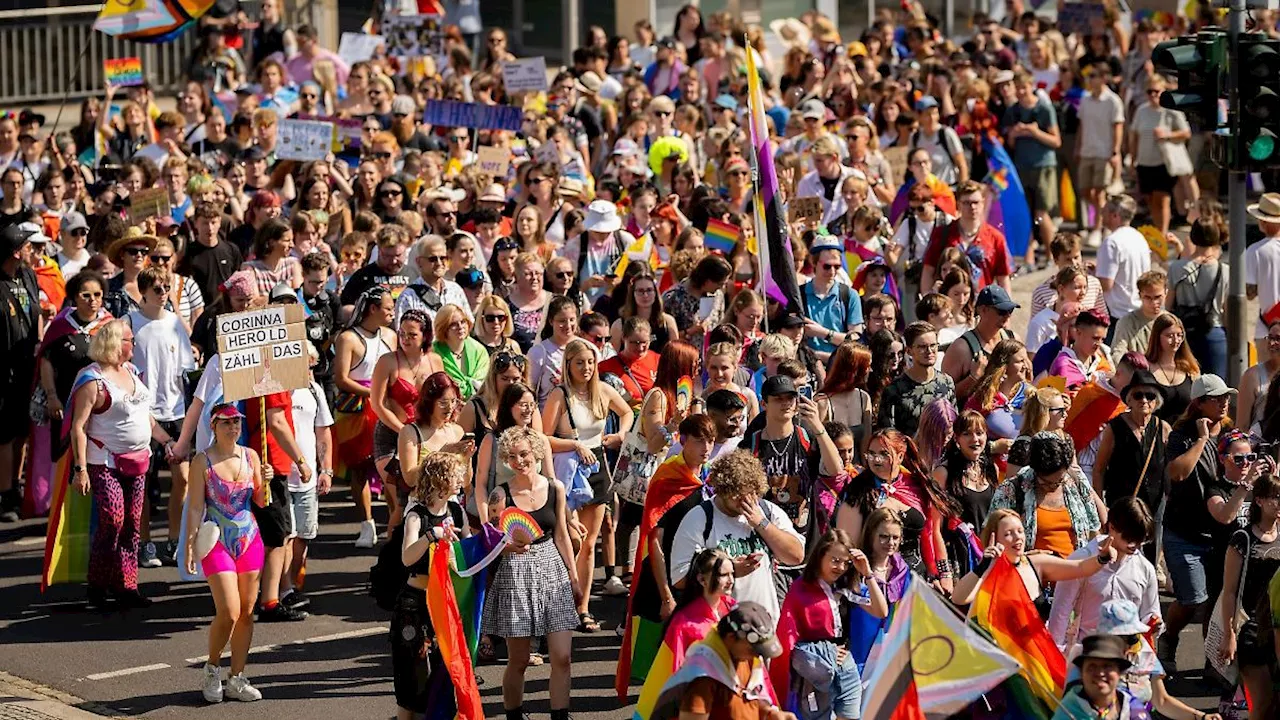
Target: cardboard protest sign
[
  {"x": 525, "y": 74},
  {"x": 123, "y": 72},
  {"x": 411, "y": 36},
  {"x": 493, "y": 161},
  {"x": 303, "y": 139},
  {"x": 262, "y": 351},
  {"x": 1081, "y": 17},
  {"x": 897, "y": 159},
  {"x": 807, "y": 210},
  {"x": 347, "y": 136},
  {"x": 152, "y": 202},
  {"x": 358, "y": 47},
  {"x": 446, "y": 113}
]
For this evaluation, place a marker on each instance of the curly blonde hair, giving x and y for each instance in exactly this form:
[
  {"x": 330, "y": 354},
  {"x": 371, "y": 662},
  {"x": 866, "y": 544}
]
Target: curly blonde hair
[
  {"x": 442, "y": 474},
  {"x": 737, "y": 473},
  {"x": 518, "y": 434}
]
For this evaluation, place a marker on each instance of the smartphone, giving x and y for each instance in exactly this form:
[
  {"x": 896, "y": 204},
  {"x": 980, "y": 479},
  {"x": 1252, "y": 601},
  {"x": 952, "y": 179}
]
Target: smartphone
[
  {"x": 468, "y": 436},
  {"x": 806, "y": 391}
]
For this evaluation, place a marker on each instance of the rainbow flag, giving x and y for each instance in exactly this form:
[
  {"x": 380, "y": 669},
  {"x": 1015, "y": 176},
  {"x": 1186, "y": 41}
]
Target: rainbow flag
[
  {"x": 73, "y": 517},
  {"x": 451, "y": 639},
  {"x": 710, "y": 659},
  {"x": 468, "y": 553},
  {"x": 931, "y": 662},
  {"x": 943, "y": 198},
  {"x": 777, "y": 265},
  {"x": 149, "y": 21},
  {"x": 671, "y": 483},
  {"x": 721, "y": 237},
  {"x": 688, "y": 626},
  {"x": 1007, "y": 206},
  {"x": 1004, "y": 610}
]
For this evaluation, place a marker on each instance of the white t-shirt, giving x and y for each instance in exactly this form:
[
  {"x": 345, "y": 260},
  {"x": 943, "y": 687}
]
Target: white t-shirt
[
  {"x": 1122, "y": 258},
  {"x": 1262, "y": 260},
  {"x": 309, "y": 413},
  {"x": 732, "y": 535},
  {"x": 70, "y": 267},
  {"x": 1042, "y": 328},
  {"x": 162, "y": 353},
  {"x": 209, "y": 391}
]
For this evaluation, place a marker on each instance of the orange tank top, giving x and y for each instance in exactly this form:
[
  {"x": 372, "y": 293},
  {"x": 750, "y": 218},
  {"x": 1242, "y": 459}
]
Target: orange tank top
[{"x": 1053, "y": 531}]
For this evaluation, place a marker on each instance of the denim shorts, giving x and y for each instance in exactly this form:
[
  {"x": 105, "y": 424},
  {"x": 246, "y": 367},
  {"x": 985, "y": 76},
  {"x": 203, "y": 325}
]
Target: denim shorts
[
  {"x": 1187, "y": 562},
  {"x": 305, "y": 509}
]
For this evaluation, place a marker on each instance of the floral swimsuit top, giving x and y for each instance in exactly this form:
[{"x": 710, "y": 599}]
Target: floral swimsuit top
[{"x": 229, "y": 504}]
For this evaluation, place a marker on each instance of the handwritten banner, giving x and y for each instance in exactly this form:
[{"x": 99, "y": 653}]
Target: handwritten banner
[
  {"x": 358, "y": 47},
  {"x": 148, "y": 203},
  {"x": 445, "y": 113},
  {"x": 526, "y": 74},
  {"x": 123, "y": 72},
  {"x": 493, "y": 161},
  {"x": 303, "y": 140}
]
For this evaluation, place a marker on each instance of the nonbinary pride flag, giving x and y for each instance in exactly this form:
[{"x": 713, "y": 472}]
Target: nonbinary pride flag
[{"x": 777, "y": 266}]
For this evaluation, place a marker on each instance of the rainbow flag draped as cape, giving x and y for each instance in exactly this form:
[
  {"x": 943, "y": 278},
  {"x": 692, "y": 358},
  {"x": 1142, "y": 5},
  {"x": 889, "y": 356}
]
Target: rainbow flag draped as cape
[
  {"x": 451, "y": 639},
  {"x": 149, "y": 21},
  {"x": 72, "y": 517},
  {"x": 777, "y": 265},
  {"x": 931, "y": 662},
  {"x": 710, "y": 659},
  {"x": 688, "y": 625},
  {"x": 943, "y": 198},
  {"x": 673, "y": 481},
  {"x": 1004, "y": 610}
]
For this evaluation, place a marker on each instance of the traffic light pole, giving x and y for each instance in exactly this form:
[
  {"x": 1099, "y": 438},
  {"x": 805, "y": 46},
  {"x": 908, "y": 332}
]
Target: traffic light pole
[{"x": 1237, "y": 200}]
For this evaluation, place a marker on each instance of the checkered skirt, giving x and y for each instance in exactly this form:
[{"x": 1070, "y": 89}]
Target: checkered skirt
[{"x": 530, "y": 595}]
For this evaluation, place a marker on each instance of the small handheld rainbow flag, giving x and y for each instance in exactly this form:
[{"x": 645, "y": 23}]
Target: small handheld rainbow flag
[{"x": 721, "y": 236}]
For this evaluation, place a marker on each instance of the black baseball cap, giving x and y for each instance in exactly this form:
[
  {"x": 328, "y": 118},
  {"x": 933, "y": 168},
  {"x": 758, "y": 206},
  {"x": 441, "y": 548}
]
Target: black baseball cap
[
  {"x": 790, "y": 321},
  {"x": 725, "y": 401},
  {"x": 12, "y": 239},
  {"x": 469, "y": 279},
  {"x": 751, "y": 622},
  {"x": 996, "y": 297},
  {"x": 778, "y": 385}
]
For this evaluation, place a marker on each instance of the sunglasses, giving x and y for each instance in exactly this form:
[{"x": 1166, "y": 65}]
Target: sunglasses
[
  {"x": 458, "y": 138},
  {"x": 161, "y": 289},
  {"x": 378, "y": 156},
  {"x": 161, "y": 258},
  {"x": 308, "y": 96},
  {"x": 662, "y": 113},
  {"x": 390, "y": 193},
  {"x": 495, "y": 318},
  {"x": 831, "y": 266},
  {"x": 739, "y": 173},
  {"x": 565, "y": 275},
  {"x": 84, "y": 232},
  {"x": 135, "y": 251},
  {"x": 436, "y": 258},
  {"x": 1244, "y": 458},
  {"x": 90, "y": 295},
  {"x": 1145, "y": 396},
  {"x": 504, "y": 360},
  {"x": 537, "y": 180}
]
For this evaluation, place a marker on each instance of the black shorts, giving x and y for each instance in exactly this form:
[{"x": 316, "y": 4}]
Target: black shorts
[
  {"x": 601, "y": 482},
  {"x": 1155, "y": 179},
  {"x": 410, "y": 670},
  {"x": 158, "y": 459},
  {"x": 275, "y": 521}
]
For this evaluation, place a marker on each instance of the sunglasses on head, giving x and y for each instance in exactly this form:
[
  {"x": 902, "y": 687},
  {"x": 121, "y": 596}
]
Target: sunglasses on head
[
  {"x": 506, "y": 244},
  {"x": 504, "y": 360}
]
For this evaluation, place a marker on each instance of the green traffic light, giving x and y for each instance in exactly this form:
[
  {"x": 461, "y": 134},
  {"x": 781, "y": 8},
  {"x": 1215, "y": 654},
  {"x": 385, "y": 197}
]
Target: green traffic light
[{"x": 1262, "y": 147}]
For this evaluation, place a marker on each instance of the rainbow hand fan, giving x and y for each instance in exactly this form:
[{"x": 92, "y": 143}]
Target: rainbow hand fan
[
  {"x": 684, "y": 394},
  {"x": 519, "y": 525}
]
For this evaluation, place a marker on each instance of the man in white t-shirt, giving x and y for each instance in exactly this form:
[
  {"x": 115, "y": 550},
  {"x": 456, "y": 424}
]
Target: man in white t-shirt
[
  {"x": 162, "y": 353},
  {"x": 754, "y": 533},
  {"x": 1262, "y": 267},
  {"x": 311, "y": 427},
  {"x": 1123, "y": 256},
  {"x": 1101, "y": 136}
]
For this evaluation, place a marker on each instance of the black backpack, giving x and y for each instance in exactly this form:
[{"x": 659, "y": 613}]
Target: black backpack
[{"x": 389, "y": 575}]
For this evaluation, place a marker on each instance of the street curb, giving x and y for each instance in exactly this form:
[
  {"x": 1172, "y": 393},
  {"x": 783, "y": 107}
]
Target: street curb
[{"x": 12, "y": 686}]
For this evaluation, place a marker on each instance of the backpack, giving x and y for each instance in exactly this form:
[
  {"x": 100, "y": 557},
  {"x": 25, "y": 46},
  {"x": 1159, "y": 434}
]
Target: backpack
[
  {"x": 1195, "y": 317},
  {"x": 846, "y": 295},
  {"x": 389, "y": 575}
]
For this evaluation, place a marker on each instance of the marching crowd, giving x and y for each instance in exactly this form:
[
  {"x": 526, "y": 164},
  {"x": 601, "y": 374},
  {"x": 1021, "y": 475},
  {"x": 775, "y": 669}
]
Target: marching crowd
[{"x": 600, "y": 336}]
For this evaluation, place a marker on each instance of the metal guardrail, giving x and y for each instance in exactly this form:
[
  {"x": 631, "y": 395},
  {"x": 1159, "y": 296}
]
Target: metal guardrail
[{"x": 48, "y": 54}]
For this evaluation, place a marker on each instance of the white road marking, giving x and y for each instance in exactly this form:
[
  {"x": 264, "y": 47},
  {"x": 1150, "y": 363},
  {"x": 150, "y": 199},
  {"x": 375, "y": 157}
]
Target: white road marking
[
  {"x": 347, "y": 635},
  {"x": 127, "y": 671}
]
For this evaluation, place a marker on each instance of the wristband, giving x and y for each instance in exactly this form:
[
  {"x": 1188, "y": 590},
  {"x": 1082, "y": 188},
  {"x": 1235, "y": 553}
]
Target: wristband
[
  {"x": 983, "y": 566},
  {"x": 1103, "y": 559}
]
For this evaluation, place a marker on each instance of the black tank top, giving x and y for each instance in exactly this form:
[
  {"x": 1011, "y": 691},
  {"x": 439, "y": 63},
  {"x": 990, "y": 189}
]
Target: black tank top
[
  {"x": 452, "y": 514},
  {"x": 1127, "y": 459},
  {"x": 545, "y": 516}
]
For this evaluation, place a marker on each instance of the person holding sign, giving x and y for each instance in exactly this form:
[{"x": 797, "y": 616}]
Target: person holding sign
[{"x": 227, "y": 483}]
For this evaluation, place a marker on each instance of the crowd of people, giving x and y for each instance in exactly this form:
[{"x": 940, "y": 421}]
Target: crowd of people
[{"x": 757, "y": 475}]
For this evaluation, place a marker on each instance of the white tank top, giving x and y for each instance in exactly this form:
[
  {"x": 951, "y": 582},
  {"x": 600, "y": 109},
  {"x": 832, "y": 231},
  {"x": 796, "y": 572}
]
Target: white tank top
[
  {"x": 1260, "y": 398},
  {"x": 374, "y": 348},
  {"x": 590, "y": 428},
  {"x": 123, "y": 426}
]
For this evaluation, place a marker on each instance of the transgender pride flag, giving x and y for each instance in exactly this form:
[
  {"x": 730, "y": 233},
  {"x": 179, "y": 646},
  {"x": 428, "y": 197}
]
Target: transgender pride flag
[{"x": 777, "y": 265}]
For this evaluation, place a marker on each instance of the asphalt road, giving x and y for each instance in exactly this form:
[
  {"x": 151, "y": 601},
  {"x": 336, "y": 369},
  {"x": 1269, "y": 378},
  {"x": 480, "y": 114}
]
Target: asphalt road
[{"x": 336, "y": 664}]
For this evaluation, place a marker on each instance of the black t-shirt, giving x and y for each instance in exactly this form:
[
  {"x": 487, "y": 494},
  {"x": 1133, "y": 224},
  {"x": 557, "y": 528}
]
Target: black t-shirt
[
  {"x": 7, "y": 219},
  {"x": 365, "y": 278},
  {"x": 424, "y": 143},
  {"x": 242, "y": 238},
  {"x": 591, "y": 122},
  {"x": 829, "y": 187},
  {"x": 791, "y": 465},
  {"x": 24, "y": 308},
  {"x": 670, "y": 522},
  {"x": 1188, "y": 499},
  {"x": 209, "y": 267},
  {"x": 68, "y": 355}
]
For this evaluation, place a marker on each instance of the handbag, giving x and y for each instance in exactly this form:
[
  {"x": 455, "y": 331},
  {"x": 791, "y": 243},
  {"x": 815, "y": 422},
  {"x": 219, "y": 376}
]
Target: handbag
[
  {"x": 636, "y": 465},
  {"x": 570, "y": 469},
  {"x": 1177, "y": 159},
  {"x": 134, "y": 463},
  {"x": 1213, "y": 639},
  {"x": 348, "y": 402}
]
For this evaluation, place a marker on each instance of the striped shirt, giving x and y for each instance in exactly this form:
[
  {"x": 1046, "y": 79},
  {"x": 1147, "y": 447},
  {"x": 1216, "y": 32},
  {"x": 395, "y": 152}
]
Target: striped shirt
[{"x": 1044, "y": 296}]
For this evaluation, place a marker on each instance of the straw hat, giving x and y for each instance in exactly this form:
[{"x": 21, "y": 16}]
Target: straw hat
[
  {"x": 791, "y": 32},
  {"x": 1267, "y": 209},
  {"x": 135, "y": 237}
]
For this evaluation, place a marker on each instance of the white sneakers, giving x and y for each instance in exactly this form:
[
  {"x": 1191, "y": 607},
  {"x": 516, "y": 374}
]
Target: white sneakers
[
  {"x": 212, "y": 686},
  {"x": 368, "y": 535},
  {"x": 238, "y": 687},
  {"x": 613, "y": 586}
]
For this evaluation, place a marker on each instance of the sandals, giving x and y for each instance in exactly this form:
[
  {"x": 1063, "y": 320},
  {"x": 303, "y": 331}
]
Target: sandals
[
  {"x": 486, "y": 652},
  {"x": 535, "y": 659},
  {"x": 587, "y": 623}
]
